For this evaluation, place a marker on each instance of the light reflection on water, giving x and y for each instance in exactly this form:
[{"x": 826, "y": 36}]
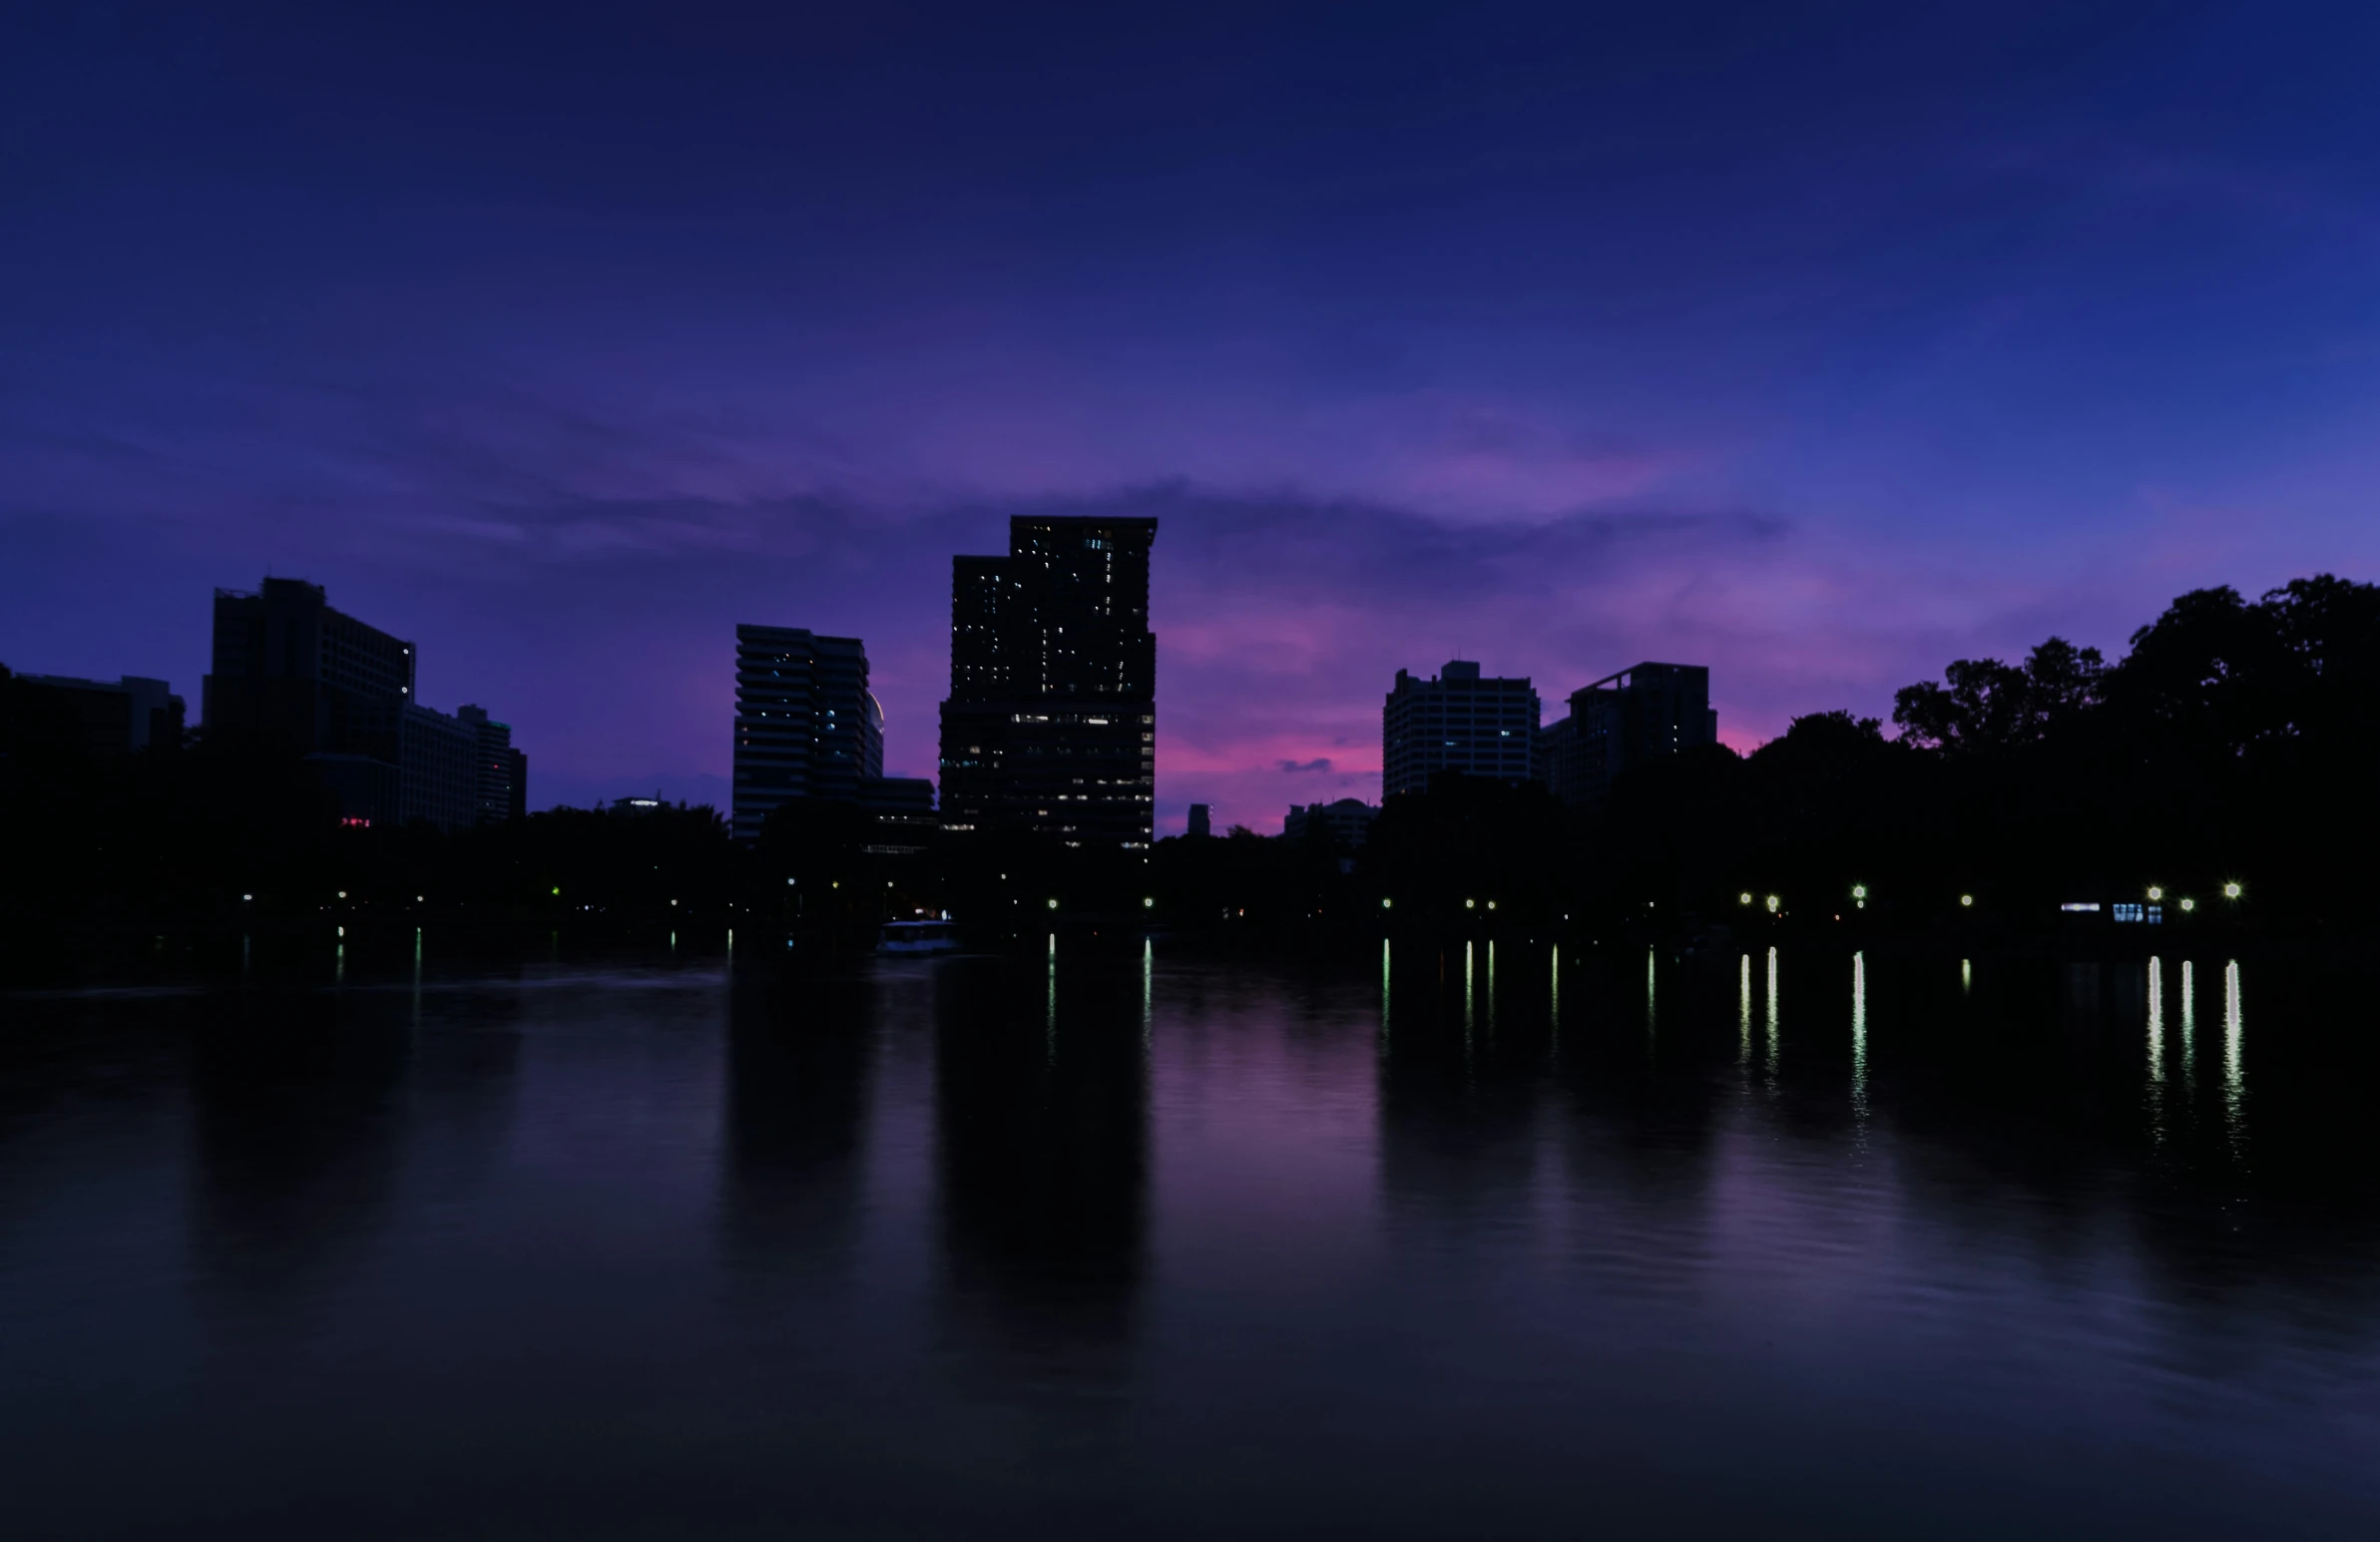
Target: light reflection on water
[
  {"x": 859, "y": 1244},
  {"x": 2234, "y": 1073},
  {"x": 1859, "y": 1049},
  {"x": 2156, "y": 1049}
]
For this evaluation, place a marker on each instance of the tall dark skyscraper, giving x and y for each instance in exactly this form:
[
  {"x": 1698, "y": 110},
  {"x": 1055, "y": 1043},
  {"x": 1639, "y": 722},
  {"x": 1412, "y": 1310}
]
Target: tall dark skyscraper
[
  {"x": 1624, "y": 720},
  {"x": 1052, "y": 719},
  {"x": 805, "y": 722}
]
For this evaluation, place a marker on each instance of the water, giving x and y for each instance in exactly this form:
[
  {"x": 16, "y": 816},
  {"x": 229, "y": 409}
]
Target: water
[{"x": 1476, "y": 1240}]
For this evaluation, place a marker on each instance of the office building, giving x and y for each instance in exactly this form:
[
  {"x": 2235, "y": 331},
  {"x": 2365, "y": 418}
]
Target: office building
[
  {"x": 806, "y": 725},
  {"x": 1349, "y": 822},
  {"x": 119, "y": 717},
  {"x": 437, "y": 769},
  {"x": 1201, "y": 820},
  {"x": 499, "y": 774},
  {"x": 1051, "y": 723},
  {"x": 289, "y": 671},
  {"x": 1457, "y": 721},
  {"x": 1624, "y": 720}
]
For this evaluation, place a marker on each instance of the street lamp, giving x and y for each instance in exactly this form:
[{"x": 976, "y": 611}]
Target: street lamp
[
  {"x": 1967, "y": 900},
  {"x": 1744, "y": 898},
  {"x": 2230, "y": 891},
  {"x": 1772, "y": 904}
]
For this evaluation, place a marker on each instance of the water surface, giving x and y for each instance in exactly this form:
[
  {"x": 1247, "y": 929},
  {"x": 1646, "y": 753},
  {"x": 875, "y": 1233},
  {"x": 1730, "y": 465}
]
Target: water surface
[{"x": 1474, "y": 1240}]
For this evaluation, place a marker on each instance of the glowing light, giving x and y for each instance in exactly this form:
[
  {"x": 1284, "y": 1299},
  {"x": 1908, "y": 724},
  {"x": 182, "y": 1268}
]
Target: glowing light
[
  {"x": 1385, "y": 904},
  {"x": 556, "y": 889},
  {"x": 2230, "y": 891},
  {"x": 1470, "y": 904},
  {"x": 1772, "y": 902},
  {"x": 1491, "y": 904},
  {"x": 2188, "y": 905},
  {"x": 1149, "y": 904},
  {"x": 247, "y": 899},
  {"x": 1859, "y": 891},
  {"x": 1743, "y": 899},
  {"x": 342, "y": 893},
  {"x": 1053, "y": 904},
  {"x": 1966, "y": 900},
  {"x": 2155, "y": 893}
]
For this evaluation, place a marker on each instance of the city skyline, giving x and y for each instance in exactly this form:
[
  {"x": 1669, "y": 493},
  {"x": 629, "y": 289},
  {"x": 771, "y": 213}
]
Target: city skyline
[{"x": 1821, "y": 356}]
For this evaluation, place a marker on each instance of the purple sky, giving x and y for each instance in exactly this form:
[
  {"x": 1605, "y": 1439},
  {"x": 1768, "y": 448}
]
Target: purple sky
[{"x": 1819, "y": 347}]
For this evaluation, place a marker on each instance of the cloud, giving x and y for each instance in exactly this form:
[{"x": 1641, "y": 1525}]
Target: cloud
[{"x": 1317, "y": 763}]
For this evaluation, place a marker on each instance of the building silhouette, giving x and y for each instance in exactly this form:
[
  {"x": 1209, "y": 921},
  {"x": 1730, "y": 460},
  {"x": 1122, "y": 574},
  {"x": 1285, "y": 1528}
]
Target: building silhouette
[
  {"x": 805, "y": 724},
  {"x": 292, "y": 672},
  {"x": 499, "y": 774},
  {"x": 119, "y": 717},
  {"x": 289, "y": 671},
  {"x": 1457, "y": 721},
  {"x": 1052, "y": 717},
  {"x": 1201, "y": 820},
  {"x": 437, "y": 769},
  {"x": 1348, "y": 822},
  {"x": 807, "y": 727},
  {"x": 1624, "y": 720}
]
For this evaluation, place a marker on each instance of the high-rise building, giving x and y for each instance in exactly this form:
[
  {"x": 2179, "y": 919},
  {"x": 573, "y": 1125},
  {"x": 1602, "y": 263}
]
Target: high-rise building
[
  {"x": 805, "y": 722},
  {"x": 1201, "y": 820},
  {"x": 119, "y": 717},
  {"x": 289, "y": 670},
  {"x": 1051, "y": 723},
  {"x": 499, "y": 774},
  {"x": 1624, "y": 720},
  {"x": 1457, "y": 721}
]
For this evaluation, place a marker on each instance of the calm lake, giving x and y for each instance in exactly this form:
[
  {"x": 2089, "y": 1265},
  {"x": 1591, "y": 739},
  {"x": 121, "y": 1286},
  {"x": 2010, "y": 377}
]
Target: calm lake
[{"x": 1135, "y": 1240}]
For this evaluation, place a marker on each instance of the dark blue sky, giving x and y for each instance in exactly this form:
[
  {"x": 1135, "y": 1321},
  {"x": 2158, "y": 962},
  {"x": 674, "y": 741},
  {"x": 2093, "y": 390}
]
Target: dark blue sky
[{"x": 1822, "y": 344}]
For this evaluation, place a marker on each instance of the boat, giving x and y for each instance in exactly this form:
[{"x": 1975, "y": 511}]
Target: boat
[{"x": 918, "y": 937}]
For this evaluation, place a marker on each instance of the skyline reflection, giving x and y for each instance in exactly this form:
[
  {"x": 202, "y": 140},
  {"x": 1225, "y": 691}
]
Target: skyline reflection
[{"x": 1118, "y": 1230}]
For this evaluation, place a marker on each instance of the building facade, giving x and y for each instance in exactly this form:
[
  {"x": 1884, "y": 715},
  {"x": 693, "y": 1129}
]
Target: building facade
[
  {"x": 806, "y": 725},
  {"x": 1051, "y": 724},
  {"x": 1624, "y": 720},
  {"x": 1348, "y": 822},
  {"x": 1457, "y": 721},
  {"x": 288, "y": 669},
  {"x": 437, "y": 769},
  {"x": 119, "y": 717},
  {"x": 499, "y": 774}
]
